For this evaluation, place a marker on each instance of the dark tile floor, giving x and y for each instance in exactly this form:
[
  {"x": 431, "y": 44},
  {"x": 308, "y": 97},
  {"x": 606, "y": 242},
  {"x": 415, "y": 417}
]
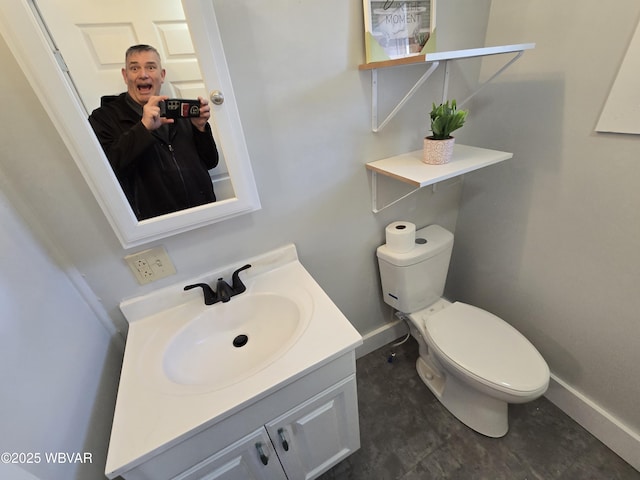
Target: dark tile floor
[{"x": 406, "y": 434}]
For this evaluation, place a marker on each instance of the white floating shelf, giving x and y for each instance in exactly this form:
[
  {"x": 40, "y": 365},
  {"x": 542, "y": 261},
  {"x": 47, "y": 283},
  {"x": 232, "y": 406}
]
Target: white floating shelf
[
  {"x": 409, "y": 168},
  {"x": 433, "y": 60},
  {"x": 449, "y": 55}
]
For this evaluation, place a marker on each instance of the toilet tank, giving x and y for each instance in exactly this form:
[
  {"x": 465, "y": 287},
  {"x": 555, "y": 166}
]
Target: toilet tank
[{"x": 415, "y": 279}]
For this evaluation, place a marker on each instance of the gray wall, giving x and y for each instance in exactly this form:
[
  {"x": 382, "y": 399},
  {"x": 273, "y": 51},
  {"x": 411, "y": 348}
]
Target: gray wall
[
  {"x": 549, "y": 241},
  {"x": 59, "y": 366}
]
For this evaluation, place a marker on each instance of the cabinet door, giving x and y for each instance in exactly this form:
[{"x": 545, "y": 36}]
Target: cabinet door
[
  {"x": 319, "y": 433},
  {"x": 250, "y": 458}
]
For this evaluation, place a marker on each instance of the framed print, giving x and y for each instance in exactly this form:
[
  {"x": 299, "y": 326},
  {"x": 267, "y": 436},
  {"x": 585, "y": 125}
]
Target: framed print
[{"x": 398, "y": 29}]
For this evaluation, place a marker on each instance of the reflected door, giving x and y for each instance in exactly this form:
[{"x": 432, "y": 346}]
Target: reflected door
[{"x": 93, "y": 36}]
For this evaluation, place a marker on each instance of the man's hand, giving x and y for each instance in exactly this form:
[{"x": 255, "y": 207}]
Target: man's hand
[
  {"x": 151, "y": 118},
  {"x": 205, "y": 113}
]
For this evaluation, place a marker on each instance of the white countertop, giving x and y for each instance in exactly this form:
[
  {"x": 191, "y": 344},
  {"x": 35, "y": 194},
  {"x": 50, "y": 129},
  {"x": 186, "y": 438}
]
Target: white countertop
[{"x": 150, "y": 419}]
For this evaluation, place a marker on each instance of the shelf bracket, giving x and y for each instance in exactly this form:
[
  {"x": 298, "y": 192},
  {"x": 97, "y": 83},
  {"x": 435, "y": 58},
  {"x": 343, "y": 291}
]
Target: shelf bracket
[
  {"x": 486, "y": 82},
  {"x": 374, "y": 194},
  {"x": 518, "y": 50},
  {"x": 374, "y": 97}
]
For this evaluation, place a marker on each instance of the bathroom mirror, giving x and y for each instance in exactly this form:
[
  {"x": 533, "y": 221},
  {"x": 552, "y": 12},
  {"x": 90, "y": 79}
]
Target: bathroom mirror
[{"x": 37, "y": 54}]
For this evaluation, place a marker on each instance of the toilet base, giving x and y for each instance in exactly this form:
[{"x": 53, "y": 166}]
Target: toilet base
[{"x": 478, "y": 411}]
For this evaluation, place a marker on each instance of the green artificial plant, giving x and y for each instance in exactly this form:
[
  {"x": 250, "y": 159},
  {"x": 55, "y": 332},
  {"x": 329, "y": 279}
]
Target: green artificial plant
[{"x": 445, "y": 119}]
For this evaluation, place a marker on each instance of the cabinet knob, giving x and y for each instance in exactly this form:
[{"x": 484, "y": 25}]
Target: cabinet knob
[
  {"x": 283, "y": 439},
  {"x": 216, "y": 97},
  {"x": 263, "y": 456}
]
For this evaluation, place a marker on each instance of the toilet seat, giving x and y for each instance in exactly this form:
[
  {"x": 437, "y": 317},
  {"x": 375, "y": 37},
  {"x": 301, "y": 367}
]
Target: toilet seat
[{"x": 481, "y": 345}]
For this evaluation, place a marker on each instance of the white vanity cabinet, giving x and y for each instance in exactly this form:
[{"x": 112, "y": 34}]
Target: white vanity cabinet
[
  {"x": 292, "y": 415},
  {"x": 295, "y": 433},
  {"x": 300, "y": 444}
]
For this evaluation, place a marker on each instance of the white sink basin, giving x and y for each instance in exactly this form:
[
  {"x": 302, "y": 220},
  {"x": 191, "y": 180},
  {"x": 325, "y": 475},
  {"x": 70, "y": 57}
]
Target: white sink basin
[
  {"x": 195, "y": 348},
  {"x": 229, "y": 341}
]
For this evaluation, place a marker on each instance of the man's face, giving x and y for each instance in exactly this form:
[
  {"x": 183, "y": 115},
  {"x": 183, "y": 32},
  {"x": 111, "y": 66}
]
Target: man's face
[{"x": 143, "y": 75}]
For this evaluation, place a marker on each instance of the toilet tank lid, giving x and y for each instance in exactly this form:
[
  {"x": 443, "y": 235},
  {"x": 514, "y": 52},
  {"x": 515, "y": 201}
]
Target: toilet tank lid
[{"x": 430, "y": 241}]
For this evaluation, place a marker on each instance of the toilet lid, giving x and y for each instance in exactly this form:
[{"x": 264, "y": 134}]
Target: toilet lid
[{"x": 487, "y": 347}]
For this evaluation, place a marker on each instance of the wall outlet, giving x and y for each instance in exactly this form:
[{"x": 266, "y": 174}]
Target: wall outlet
[{"x": 150, "y": 265}]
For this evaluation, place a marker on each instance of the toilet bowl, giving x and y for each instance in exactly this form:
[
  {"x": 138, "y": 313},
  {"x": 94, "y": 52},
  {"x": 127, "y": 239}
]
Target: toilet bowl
[{"x": 474, "y": 362}]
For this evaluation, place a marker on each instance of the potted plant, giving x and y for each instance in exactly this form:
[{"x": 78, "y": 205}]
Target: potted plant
[{"x": 445, "y": 118}]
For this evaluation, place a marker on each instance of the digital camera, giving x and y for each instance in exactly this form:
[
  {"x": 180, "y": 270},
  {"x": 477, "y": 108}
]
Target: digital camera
[{"x": 179, "y": 108}]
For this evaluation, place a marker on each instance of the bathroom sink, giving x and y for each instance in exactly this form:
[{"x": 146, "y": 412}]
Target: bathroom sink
[
  {"x": 194, "y": 348},
  {"x": 189, "y": 366},
  {"x": 230, "y": 341}
]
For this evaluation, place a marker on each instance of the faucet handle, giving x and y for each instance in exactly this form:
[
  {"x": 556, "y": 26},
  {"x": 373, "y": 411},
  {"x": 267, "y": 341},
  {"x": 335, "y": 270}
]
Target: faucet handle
[
  {"x": 209, "y": 294},
  {"x": 237, "y": 285}
]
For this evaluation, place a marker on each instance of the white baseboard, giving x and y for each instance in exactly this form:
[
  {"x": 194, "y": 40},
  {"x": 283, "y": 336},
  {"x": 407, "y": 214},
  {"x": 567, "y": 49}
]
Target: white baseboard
[
  {"x": 601, "y": 424},
  {"x": 381, "y": 336}
]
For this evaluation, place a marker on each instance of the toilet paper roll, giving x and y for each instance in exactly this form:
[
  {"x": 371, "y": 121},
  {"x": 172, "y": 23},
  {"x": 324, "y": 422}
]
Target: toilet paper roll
[{"x": 401, "y": 236}]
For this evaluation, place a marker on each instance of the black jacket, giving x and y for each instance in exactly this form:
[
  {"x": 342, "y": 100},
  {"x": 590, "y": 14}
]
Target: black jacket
[{"x": 162, "y": 171}]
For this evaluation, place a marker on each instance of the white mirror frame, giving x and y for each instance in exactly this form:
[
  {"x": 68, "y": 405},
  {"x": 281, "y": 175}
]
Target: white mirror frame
[{"x": 21, "y": 30}]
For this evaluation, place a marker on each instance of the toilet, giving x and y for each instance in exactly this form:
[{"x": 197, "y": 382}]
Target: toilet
[{"x": 474, "y": 362}]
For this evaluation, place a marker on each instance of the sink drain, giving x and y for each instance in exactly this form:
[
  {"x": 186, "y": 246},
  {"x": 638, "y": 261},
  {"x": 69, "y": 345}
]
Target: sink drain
[{"x": 240, "y": 341}]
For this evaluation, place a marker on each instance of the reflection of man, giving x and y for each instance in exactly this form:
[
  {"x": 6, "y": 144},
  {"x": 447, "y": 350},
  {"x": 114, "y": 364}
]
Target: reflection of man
[{"x": 161, "y": 164}]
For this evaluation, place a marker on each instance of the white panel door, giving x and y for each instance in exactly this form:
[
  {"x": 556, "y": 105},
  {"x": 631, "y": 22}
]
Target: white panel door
[
  {"x": 93, "y": 36},
  {"x": 319, "y": 433}
]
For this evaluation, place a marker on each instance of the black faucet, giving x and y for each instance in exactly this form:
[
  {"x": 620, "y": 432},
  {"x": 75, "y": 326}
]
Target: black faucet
[{"x": 224, "y": 291}]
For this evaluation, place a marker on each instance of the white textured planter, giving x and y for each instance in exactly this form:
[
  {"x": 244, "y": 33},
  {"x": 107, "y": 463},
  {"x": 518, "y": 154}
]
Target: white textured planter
[{"x": 438, "y": 152}]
